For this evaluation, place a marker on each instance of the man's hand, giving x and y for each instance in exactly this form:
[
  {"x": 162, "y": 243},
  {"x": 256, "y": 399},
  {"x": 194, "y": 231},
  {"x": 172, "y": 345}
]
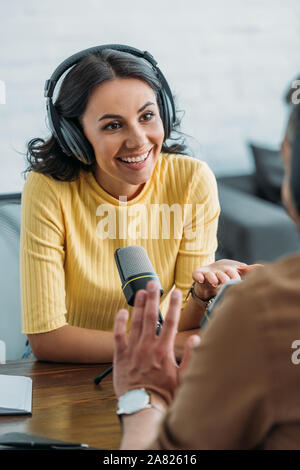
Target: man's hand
[
  {"x": 145, "y": 359},
  {"x": 209, "y": 279}
]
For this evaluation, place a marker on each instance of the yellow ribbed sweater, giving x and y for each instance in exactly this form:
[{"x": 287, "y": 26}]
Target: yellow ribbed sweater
[{"x": 70, "y": 231}]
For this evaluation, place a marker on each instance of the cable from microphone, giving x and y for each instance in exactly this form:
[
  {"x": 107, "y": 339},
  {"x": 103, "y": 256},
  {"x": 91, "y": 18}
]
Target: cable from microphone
[
  {"x": 100, "y": 377},
  {"x": 135, "y": 271}
]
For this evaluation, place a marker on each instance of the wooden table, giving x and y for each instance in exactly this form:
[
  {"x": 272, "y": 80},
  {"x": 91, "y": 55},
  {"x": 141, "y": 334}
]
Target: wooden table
[{"x": 66, "y": 404}]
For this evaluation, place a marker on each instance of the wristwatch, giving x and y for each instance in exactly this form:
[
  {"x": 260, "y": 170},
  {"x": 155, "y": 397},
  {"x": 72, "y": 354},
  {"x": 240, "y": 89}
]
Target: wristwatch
[
  {"x": 206, "y": 303},
  {"x": 134, "y": 401}
]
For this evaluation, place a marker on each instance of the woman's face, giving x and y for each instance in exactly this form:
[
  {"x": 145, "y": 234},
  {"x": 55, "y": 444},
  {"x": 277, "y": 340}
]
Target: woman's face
[{"x": 122, "y": 121}]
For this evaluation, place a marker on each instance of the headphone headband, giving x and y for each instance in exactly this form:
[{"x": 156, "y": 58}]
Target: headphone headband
[
  {"x": 70, "y": 138},
  {"x": 75, "y": 58}
]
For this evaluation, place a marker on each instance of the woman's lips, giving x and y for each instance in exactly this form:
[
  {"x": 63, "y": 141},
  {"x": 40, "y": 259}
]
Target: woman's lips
[{"x": 137, "y": 165}]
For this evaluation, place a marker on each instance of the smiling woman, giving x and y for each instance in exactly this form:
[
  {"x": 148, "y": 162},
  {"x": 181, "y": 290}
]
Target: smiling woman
[
  {"x": 126, "y": 145},
  {"x": 85, "y": 77},
  {"x": 110, "y": 146}
]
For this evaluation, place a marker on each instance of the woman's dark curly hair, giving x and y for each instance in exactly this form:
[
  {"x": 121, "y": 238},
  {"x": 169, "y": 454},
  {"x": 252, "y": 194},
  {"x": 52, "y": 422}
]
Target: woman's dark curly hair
[{"x": 47, "y": 157}]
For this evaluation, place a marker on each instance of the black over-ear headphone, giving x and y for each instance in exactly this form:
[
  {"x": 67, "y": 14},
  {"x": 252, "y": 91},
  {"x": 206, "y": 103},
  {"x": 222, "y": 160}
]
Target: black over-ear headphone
[{"x": 69, "y": 136}]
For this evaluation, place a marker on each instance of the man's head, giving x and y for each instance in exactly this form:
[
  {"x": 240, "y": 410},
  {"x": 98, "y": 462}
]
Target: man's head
[{"x": 288, "y": 155}]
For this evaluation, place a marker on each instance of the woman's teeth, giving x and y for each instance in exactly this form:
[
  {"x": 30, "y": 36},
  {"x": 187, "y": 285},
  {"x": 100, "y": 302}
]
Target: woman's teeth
[{"x": 135, "y": 159}]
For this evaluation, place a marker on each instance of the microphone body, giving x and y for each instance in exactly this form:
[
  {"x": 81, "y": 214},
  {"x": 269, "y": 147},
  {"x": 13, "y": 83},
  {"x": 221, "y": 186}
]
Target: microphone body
[{"x": 135, "y": 271}]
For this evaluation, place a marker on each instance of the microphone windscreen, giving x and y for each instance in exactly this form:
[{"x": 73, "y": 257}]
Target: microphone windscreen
[
  {"x": 132, "y": 260},
  {"x": 135, "y": 270}
]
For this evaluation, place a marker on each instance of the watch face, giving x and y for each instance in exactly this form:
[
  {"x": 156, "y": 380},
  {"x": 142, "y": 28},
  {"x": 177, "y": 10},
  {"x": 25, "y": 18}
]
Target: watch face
[{"x": 134, "y": 400}]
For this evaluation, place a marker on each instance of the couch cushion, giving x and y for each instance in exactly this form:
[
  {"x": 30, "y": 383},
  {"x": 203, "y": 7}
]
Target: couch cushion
[
  {"x": 245, "y": 183},
  {"x": 269, "y": 172}
]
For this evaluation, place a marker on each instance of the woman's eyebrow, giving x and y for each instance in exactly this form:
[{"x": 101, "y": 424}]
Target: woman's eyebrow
[
  {"x": 118, "y": 116},
  {"x": 149, "y": 103}
]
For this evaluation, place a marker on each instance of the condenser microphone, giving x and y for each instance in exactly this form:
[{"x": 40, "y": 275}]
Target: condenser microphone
[{"x": 135, "y": 271}]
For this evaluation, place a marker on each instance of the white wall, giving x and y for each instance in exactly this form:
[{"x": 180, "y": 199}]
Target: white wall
[{"x": 228, "y": 62}]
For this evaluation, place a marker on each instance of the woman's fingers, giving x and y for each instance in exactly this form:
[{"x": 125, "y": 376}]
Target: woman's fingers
[
  {"x": 210, "y": 277},
  {"x": 120, "y": 335},
  {"x": 198, "y": 276},
  {"x": 249, "y": 267},
  {"x": 219, "y": 273},
  {"x": 231, "y": 263},
  {"x": 233, "y": 273},
  {"x": 222, "y": 276}
]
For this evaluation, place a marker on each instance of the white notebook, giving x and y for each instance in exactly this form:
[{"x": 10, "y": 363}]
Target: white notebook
[{"x": 15, "y": 394}]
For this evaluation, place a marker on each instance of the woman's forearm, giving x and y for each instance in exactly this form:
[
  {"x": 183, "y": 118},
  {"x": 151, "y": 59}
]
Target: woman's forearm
[
  {"x": 83, "y": 345},
  {"x": 181, "y": 339},
  {"x": 73, "y": 344},
  {"x": 191, "y": 315}
]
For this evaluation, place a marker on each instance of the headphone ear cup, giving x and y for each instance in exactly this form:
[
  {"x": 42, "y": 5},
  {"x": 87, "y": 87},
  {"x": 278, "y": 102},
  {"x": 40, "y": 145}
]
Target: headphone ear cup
[
  {"x": 69, "y": 137},
  {"x": 166, "y": 113},
  {"x": 162, "y": 114},
  {"x": 77, "y": 143},
  {"x": 167, "y": 105},
  {"x": 54, "y": 124}
]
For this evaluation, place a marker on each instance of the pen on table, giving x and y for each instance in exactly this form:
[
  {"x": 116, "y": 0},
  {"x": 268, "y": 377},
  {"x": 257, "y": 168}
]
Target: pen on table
[{"x": 43, "y": 445}]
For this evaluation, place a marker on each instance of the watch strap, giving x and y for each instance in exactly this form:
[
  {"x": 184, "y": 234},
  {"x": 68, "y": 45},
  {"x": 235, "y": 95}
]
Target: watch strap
[{"x": 191, "y": 291}]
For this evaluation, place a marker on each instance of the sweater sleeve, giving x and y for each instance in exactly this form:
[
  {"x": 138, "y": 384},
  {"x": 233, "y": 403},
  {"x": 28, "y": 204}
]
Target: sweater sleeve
[
  {"x": 201, "y": 213},
  {"x": 42, "y": 257}
]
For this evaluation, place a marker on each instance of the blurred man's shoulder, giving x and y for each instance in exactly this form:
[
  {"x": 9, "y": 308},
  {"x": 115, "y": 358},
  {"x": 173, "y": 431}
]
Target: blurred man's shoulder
[{"x": 278, "y": 279}]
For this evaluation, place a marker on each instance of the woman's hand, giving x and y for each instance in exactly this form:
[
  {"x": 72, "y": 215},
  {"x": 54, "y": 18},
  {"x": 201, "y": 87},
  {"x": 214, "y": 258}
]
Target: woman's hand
[
  {"x": 145, "y": 360},
  {"x": 209, "y": 279}
]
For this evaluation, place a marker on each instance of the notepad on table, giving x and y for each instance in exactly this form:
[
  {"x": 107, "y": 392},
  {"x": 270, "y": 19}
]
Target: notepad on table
[{"x": 15, "y": 394}]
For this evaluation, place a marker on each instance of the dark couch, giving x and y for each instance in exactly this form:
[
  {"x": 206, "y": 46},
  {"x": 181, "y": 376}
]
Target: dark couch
[{"x": 254, "y": 225}]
